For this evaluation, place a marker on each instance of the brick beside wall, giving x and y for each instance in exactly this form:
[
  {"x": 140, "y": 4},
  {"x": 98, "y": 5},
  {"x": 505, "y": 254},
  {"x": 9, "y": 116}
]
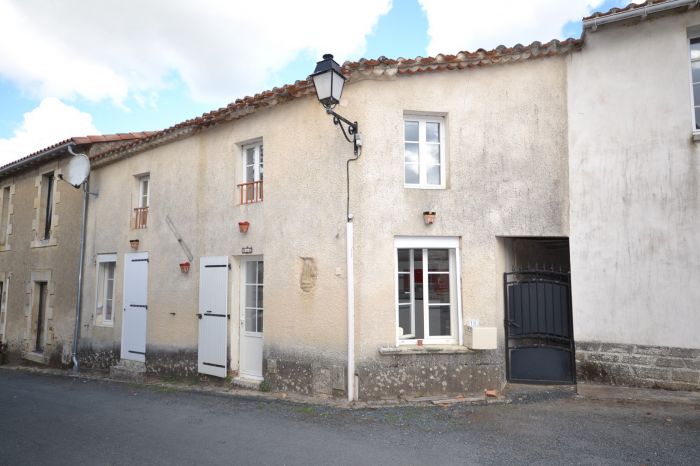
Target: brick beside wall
[{"x": 639, "y": 365}]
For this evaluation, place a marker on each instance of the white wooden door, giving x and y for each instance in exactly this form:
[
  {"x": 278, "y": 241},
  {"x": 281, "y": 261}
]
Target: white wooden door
[
  {"x": 135, "y": 306},
  {"x": 251, "y": 318},
  {"x": 213, "y": 316}
]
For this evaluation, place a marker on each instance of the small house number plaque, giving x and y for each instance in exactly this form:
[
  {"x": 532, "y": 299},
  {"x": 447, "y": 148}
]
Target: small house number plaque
[{"x": 247, "y": 250}]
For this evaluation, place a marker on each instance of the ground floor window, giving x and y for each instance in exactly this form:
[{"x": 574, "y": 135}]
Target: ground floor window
[
  {"x": 40, "y": 300},
  {"x": 426, "y": 290},
  {"x": 104, "y": 303}
]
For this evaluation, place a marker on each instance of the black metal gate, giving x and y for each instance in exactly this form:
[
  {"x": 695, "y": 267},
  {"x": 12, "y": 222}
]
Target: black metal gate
[{"x": 539, "y": 330}]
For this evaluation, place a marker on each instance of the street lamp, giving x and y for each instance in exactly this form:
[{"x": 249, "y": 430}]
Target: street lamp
[{"x": 329, "y": 82}]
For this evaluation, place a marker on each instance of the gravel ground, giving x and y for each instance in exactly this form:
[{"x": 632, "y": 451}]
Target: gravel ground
[{"x": 48, "y": 419}]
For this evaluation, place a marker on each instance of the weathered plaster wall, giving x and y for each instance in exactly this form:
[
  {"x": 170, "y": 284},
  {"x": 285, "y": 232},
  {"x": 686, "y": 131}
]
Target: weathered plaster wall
[
  {"x": 194, "y": 182},
  {"x": 56, "y": 262},
  {"x": 507, "y": 175},
  {"x": 634, "y": 171}
]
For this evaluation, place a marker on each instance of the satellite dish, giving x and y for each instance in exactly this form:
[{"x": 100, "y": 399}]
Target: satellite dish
[{"x": 77, "y": 170}]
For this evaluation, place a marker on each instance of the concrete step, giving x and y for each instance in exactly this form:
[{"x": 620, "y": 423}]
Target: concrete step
[
  {"x": 246, "y": 383},
  {"x": 132, "y": 371}
]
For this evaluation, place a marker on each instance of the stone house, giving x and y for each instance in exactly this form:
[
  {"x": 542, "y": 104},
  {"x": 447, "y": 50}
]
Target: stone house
[
  {"x": 524, "y": 214},
  {"x": 39, "y": 251},
  {"x": 433, "y": 139}
]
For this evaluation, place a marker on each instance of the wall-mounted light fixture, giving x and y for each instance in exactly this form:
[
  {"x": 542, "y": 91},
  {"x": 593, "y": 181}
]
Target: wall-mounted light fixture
[
  {"x": 429, "y": 217},
  {"x": 184, "y": 266},
  {"x": 134, "y": 243},
  {"x": 243, "y": 226},
  {"x": 329, "y": 82}
]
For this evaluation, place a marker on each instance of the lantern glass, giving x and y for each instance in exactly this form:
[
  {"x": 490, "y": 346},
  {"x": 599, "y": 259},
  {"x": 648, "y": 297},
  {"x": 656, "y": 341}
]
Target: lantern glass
[{"x": 328, "y": 81}]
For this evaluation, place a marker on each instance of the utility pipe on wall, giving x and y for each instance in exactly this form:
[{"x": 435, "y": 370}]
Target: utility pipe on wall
[
  {"x": 351, "y": 287},
  {"x": 78, "y": 301}
]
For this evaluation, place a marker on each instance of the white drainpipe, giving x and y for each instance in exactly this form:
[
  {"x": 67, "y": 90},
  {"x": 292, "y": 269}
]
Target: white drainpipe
[
  {"x": 593, "y": 23},
  {"x": 351, "y": 311}
]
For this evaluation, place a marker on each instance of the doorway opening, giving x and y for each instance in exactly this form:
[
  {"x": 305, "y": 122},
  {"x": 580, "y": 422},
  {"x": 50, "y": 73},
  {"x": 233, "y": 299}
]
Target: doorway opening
[{"x": 537, "y": 311}]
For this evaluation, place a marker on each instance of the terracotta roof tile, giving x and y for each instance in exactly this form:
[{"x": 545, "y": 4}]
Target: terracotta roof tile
[
  {"x": 19, "y": 163},
  {"x": 362, "y": 69}
]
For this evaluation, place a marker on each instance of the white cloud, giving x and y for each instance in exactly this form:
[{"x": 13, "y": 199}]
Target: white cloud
[
  {"x": 472, "y": 24},
  {"x": 113, "y": 49},
  {"x": 51, "y": 122}
]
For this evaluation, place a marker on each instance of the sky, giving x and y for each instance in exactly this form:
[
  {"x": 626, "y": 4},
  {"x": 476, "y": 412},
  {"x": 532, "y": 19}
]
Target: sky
[{"x": 78, "y": 67}]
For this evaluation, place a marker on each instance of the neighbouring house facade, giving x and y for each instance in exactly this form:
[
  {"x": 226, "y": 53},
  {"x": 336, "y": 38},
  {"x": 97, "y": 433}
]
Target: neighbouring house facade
[
  {"x": 524, "y": 214},
  {"x": 635, "y": 212},
  {"x": 39, "y": 251}
]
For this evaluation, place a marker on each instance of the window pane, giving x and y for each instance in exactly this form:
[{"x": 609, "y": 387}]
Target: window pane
[
  {"x": 695, "y": 48},
  {"x": 696, "y": 94},
  {"x": 433, "y": 154},
  {"x": 439, "y": 321},
  {"x": 432, "y": 132},
  {"x": 434, "y": 175},
  {"x": 411, "y": 130},
  {"x": 695, "y": 66},
  {"x": 439, "y": 288},
  {"x": 411, "y": 174},
  {"x": 250, "y": 272},
  {"x": 249, "y": 173},
  {"x": 250, "y": 156},
  {"x": 405, "y": 319},
  {"x": 100, "y": 288},
  {"x": 439, "y": 260},
  {"x": 251, "y": 296},
  {"x": 250, "y": 320},
  {"x": 404, "y": 256},
  {"x": 260, "y": 272},
  {"x": 404, "y": 288},
  {"x": 411, "y": 152},
  {"x": 697, "y": 118},
  {"x": 260, "y": 320},
  {"x": 260, "y": 296}
]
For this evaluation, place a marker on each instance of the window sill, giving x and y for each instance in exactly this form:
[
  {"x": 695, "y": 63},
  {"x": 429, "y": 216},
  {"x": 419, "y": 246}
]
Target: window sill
[
  {"x": 44, "y": 243},
  {"x": 696, "y": 136},
  {"x": 426, "y": 349},
  {"x": 5, "y": 247},
  {"x": 105, "y": 324},
  {"x": 421, "y": 186},
  {"x": 34, "y": 357}
]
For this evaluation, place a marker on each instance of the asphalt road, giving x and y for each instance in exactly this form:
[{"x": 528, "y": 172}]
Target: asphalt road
[{"x": 61, "y": 420}]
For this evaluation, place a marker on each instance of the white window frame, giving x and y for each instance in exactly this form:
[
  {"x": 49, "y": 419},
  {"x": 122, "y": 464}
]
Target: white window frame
[
  {"x": 144, "y": 191},
  {"x": 244, "y": 296},
  {"x": 425, "y": 243},
  {"x": 5, "y": 198},
  {"x": 258, "y": 149},
  {"x": 103, "y": 259},
  {"x": 422, "y": 152}
]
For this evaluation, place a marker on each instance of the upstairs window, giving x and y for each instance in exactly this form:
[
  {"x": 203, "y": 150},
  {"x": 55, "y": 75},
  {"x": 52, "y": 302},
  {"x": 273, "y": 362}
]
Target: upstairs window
[
  {"x": 695, "y": 79},
  {"x": 141, "y": 211},
  {"x": 104, "y": 304},
  {"x": 46, "y": 212},
  {"x": 424, "y": 152},
  {"x": 5, "y": 215},
  {"x": 251, "y": 190},
  {"x": 143, "y": 191}
]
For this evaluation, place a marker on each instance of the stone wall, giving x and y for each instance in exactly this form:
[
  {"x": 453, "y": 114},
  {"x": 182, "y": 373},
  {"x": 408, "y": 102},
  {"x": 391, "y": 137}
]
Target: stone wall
[
  {"x": 639, "y": 365},
  {"x": 429, "y": 374}
]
